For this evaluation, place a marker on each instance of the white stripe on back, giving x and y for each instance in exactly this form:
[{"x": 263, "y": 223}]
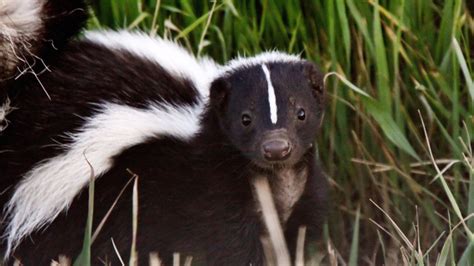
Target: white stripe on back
[
  {"x": 50, "y": 187},
  {"x": 271, "y": 95},
  {"x": 171, "y": 56}
]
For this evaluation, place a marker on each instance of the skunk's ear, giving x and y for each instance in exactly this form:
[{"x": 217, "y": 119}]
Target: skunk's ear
[
  {"x": 316, "y": 80},
  {"x": 219, "y": 94}
]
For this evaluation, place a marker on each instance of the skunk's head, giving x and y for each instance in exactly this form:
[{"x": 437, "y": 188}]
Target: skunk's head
[{"x": 270, "y": 110}]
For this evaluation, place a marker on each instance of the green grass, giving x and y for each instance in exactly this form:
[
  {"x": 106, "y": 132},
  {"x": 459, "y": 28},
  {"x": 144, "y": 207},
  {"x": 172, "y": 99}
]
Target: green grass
[{"x": 399, "y": 63}]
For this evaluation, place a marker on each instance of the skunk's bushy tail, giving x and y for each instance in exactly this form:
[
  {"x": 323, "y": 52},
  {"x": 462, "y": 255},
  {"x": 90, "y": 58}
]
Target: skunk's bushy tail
[{"x": 31, "y": 32}]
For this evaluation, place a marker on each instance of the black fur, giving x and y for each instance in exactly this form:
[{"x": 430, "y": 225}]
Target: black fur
[{"x": 195, "y": 197}]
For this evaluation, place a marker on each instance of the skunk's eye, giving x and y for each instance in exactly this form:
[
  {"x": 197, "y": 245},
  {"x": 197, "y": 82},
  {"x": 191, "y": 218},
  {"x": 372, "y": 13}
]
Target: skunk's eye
[
  {"x": 301, "y": 114},
  {"x": 246, "y": 119}
]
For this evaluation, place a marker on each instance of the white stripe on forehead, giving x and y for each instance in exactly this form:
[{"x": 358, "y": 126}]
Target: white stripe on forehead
[{"x": 271, "y": 95}]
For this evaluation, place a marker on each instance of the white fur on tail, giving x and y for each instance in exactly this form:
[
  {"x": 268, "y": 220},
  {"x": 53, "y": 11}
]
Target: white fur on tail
[
  {"x": 50, "y": 187},
  {"x": 20, "y": 22},
  {"x": 169, "y": 55}
]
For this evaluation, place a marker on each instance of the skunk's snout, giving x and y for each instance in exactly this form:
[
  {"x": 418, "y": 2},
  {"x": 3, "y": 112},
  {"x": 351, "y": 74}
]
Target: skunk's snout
[
  {"x": 277, "y": 149},
  {"x": 276, "y": 146}
]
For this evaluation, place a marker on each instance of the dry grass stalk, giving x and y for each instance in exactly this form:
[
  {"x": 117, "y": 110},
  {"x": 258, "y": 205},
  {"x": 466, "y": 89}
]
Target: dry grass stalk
[{"x": 271, "y": 220}]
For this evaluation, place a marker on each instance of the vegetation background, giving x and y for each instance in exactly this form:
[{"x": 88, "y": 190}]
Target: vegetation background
[{"x": 397, "y": 137}]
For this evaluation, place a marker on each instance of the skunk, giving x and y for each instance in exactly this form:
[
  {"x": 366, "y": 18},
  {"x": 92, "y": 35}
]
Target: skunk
[{"x": 194, "y": 133}]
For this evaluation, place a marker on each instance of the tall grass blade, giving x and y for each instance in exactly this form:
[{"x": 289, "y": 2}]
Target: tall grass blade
[
  {"x": 361, "y": 22},
  {"x": 353, "y": 257},
  {"x": 381, "y": 64},
  {"x": 467, "y": 258},
  {"x": 344, "y": 26},
  {"x": 389, "y": 126},
  {"x": 133, "y": 249},
  {"x": 84, "y": 258},
  {"x": 444, "y": 254},
  {"x": 347, "y": 83},
  {"x": 465, "y": 70},
  {"x": 202, "y": 19},
  {"x": 117, "y": 252},
  {"x": 445, "y": 186}
]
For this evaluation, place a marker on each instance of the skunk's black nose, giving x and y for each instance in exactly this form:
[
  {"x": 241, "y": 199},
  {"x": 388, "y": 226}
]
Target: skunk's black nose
[{"x": 276, "y": 149}]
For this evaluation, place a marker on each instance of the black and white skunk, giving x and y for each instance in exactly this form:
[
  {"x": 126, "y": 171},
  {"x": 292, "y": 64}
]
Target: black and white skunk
[{"x": 195, "y": 133}]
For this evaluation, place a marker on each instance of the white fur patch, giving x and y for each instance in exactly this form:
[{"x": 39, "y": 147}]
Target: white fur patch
[
  {"x": 50, "y": 187},
  {"x": 263, "y": 58},
  {"x": 170, "y": 55},
  {"x": 271, "y": 95},
  {"x": 20, "y": 16},
  {"x": 5, "y": 109},
  {"x": 20, "y": 22}
]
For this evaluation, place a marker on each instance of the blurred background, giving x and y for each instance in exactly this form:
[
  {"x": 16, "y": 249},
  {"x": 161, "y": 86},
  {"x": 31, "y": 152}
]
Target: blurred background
[{"x": 397, "y": 138}]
